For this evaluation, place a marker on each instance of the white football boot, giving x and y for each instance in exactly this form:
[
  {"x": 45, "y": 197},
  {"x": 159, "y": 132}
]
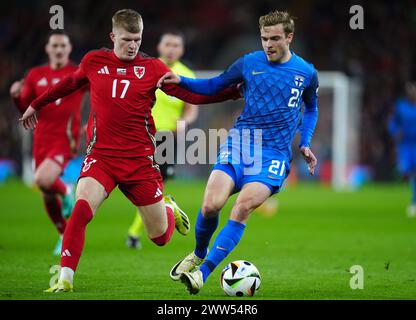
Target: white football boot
[
  {"x": 193, "y": 281},
  {"x": 189, "y": 263}
]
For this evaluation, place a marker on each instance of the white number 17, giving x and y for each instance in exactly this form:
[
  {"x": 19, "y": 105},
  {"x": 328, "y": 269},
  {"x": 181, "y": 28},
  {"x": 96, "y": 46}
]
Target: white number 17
[{"x": 123, "y": 93}]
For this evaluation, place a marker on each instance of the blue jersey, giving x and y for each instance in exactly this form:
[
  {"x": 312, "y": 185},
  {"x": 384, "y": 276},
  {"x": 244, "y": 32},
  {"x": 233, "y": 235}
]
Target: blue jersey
[
  {"x": 273, "y": 94},
  {"x": 402, "y": 127},
  {"x": 403, "y": 122}
]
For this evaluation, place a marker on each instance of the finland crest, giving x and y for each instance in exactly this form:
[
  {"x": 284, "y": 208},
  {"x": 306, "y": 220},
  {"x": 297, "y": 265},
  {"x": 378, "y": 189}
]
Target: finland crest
[
  {"x": 139, "y": 71},
  {"x": 299, "y": 81}
]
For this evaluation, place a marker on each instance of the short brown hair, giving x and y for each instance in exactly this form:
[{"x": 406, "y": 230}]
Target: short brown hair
[
  {"x": 57, "y": 32},
  {"x": 173, "y": 32},
  {"x": 278, "y": 17},
  {"x": 129, "y": 20}
]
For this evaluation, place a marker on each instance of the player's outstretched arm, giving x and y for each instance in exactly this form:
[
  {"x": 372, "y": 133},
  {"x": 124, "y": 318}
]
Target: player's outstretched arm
[
  {"x": 65, "y": 87},
  {"x": 233, "y": 75},
  {"x": 193, "y": 98}
]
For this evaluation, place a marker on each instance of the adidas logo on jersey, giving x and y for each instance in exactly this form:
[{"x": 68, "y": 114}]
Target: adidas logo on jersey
[
  {"x": 42, "y": 82},
  {"x": 158, "y": 193},
  {"x": 104, "y": 70}
]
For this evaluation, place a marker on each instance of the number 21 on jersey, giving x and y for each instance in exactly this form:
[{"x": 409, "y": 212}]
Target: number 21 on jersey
[{"x": 294, "y": 99}]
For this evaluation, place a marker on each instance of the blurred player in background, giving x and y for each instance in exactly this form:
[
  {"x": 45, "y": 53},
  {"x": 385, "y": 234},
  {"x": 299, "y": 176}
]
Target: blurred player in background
[
  {"x": 402, "y": 127},
  {"x": 56, "y": 137},
  {"x": 121, "y": 138},
  {"x": 276, "y": 82},
  {"x": 166, "y": 113}
]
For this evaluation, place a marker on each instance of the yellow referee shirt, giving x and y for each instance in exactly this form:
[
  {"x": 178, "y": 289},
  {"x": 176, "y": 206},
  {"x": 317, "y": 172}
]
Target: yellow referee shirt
[{"x": 167, "y": 109}]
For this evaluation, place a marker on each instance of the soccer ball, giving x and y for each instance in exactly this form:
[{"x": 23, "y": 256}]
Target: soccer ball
[{"x": 240, "y": 278}]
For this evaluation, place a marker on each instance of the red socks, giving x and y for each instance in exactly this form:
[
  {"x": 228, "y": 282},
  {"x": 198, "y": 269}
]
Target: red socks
[
  {"x": 164, "y": 238},
  {"x": 58, "y": 187},
  {"x": 74, "y": 235},
  {"x": 54, "y": 209}
]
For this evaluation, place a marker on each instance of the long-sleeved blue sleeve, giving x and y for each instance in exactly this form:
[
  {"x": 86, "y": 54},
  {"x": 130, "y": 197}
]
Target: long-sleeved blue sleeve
[
  {"x": 233, "y": 75},
  {"x": 310, "y": 114}
]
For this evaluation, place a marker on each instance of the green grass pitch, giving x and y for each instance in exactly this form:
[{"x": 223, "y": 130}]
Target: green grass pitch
[{"x": 304, "y": 252}]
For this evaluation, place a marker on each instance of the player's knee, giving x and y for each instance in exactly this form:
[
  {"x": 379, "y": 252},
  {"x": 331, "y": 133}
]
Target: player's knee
[
  {"x": 210, "y": 208},
  {"x": 43, "y": 182}
]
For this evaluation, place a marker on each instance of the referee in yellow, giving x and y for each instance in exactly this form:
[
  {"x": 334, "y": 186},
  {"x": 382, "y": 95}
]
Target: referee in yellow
[{"x": 167, "y": 111}]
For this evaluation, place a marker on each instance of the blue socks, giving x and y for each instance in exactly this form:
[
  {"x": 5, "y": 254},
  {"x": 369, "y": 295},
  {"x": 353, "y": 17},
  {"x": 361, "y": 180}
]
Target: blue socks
[
  {"x": 204, "y": 229},
  {"x": 225, "y": 242},
  {"x": 412, "y": 180}
]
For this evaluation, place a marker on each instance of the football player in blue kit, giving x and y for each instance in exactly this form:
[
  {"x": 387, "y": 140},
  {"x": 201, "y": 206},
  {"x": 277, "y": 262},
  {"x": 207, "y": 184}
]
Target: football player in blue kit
[
  {"x": 255, "y": 159},
  {"x": 402, "y": 127}
]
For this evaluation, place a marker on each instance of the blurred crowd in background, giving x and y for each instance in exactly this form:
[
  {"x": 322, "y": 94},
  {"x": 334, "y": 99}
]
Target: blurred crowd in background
[{"x": 217, "y": 32}]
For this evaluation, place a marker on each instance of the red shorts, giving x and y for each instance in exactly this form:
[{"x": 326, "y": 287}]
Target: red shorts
[
  {"x": 138, "y": 178},
  {"x": 58, "y": 155}
]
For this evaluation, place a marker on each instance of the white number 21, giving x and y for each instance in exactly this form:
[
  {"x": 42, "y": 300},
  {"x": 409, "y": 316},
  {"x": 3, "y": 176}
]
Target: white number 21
[
  {"x": 277, "y": 167},
  {"x": 123, "y": 93},
  {"x": 294, "y": 99}
]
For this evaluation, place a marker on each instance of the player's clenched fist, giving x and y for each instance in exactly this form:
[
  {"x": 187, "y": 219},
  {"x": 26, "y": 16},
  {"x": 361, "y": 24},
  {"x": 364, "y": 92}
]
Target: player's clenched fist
[
  {"x": 168, "y": 78},
  {"x": 29, "y": 119}
]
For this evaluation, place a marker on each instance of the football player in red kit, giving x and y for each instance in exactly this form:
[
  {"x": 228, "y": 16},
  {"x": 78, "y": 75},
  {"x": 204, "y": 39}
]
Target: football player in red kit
[
  {"x": 121, "y": 142},
  {"x": 56, "y": 137}
]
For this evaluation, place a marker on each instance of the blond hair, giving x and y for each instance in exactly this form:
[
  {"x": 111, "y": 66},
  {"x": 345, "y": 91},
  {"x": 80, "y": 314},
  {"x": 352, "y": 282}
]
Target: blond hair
[
  {"x": 129, "y": 20},
  {"x": 278, "y": 17}
]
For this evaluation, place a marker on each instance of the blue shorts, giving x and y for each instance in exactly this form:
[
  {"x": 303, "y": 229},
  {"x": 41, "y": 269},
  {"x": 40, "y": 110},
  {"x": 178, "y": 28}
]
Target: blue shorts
[
  {"x": 406, "y": 158},
  {"x": 245, "y": 165}
]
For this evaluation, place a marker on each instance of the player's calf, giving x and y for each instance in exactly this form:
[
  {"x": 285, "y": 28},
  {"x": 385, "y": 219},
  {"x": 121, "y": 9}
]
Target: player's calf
[
  {"x": 53, "y": 208},
  {"x": 241, "y": 211},
  {"x": 74, "y": 236},
  {"x": 167, "y": 235}
]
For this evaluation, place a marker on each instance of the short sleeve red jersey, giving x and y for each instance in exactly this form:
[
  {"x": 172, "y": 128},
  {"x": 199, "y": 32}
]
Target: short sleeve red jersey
[{"x": 59, "y": 121}]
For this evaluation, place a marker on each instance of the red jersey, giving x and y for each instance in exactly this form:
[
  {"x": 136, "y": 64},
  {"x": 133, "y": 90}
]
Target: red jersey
[
  {"x": 59, "y": 122},
  {"x": 122, "y": 96}
]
